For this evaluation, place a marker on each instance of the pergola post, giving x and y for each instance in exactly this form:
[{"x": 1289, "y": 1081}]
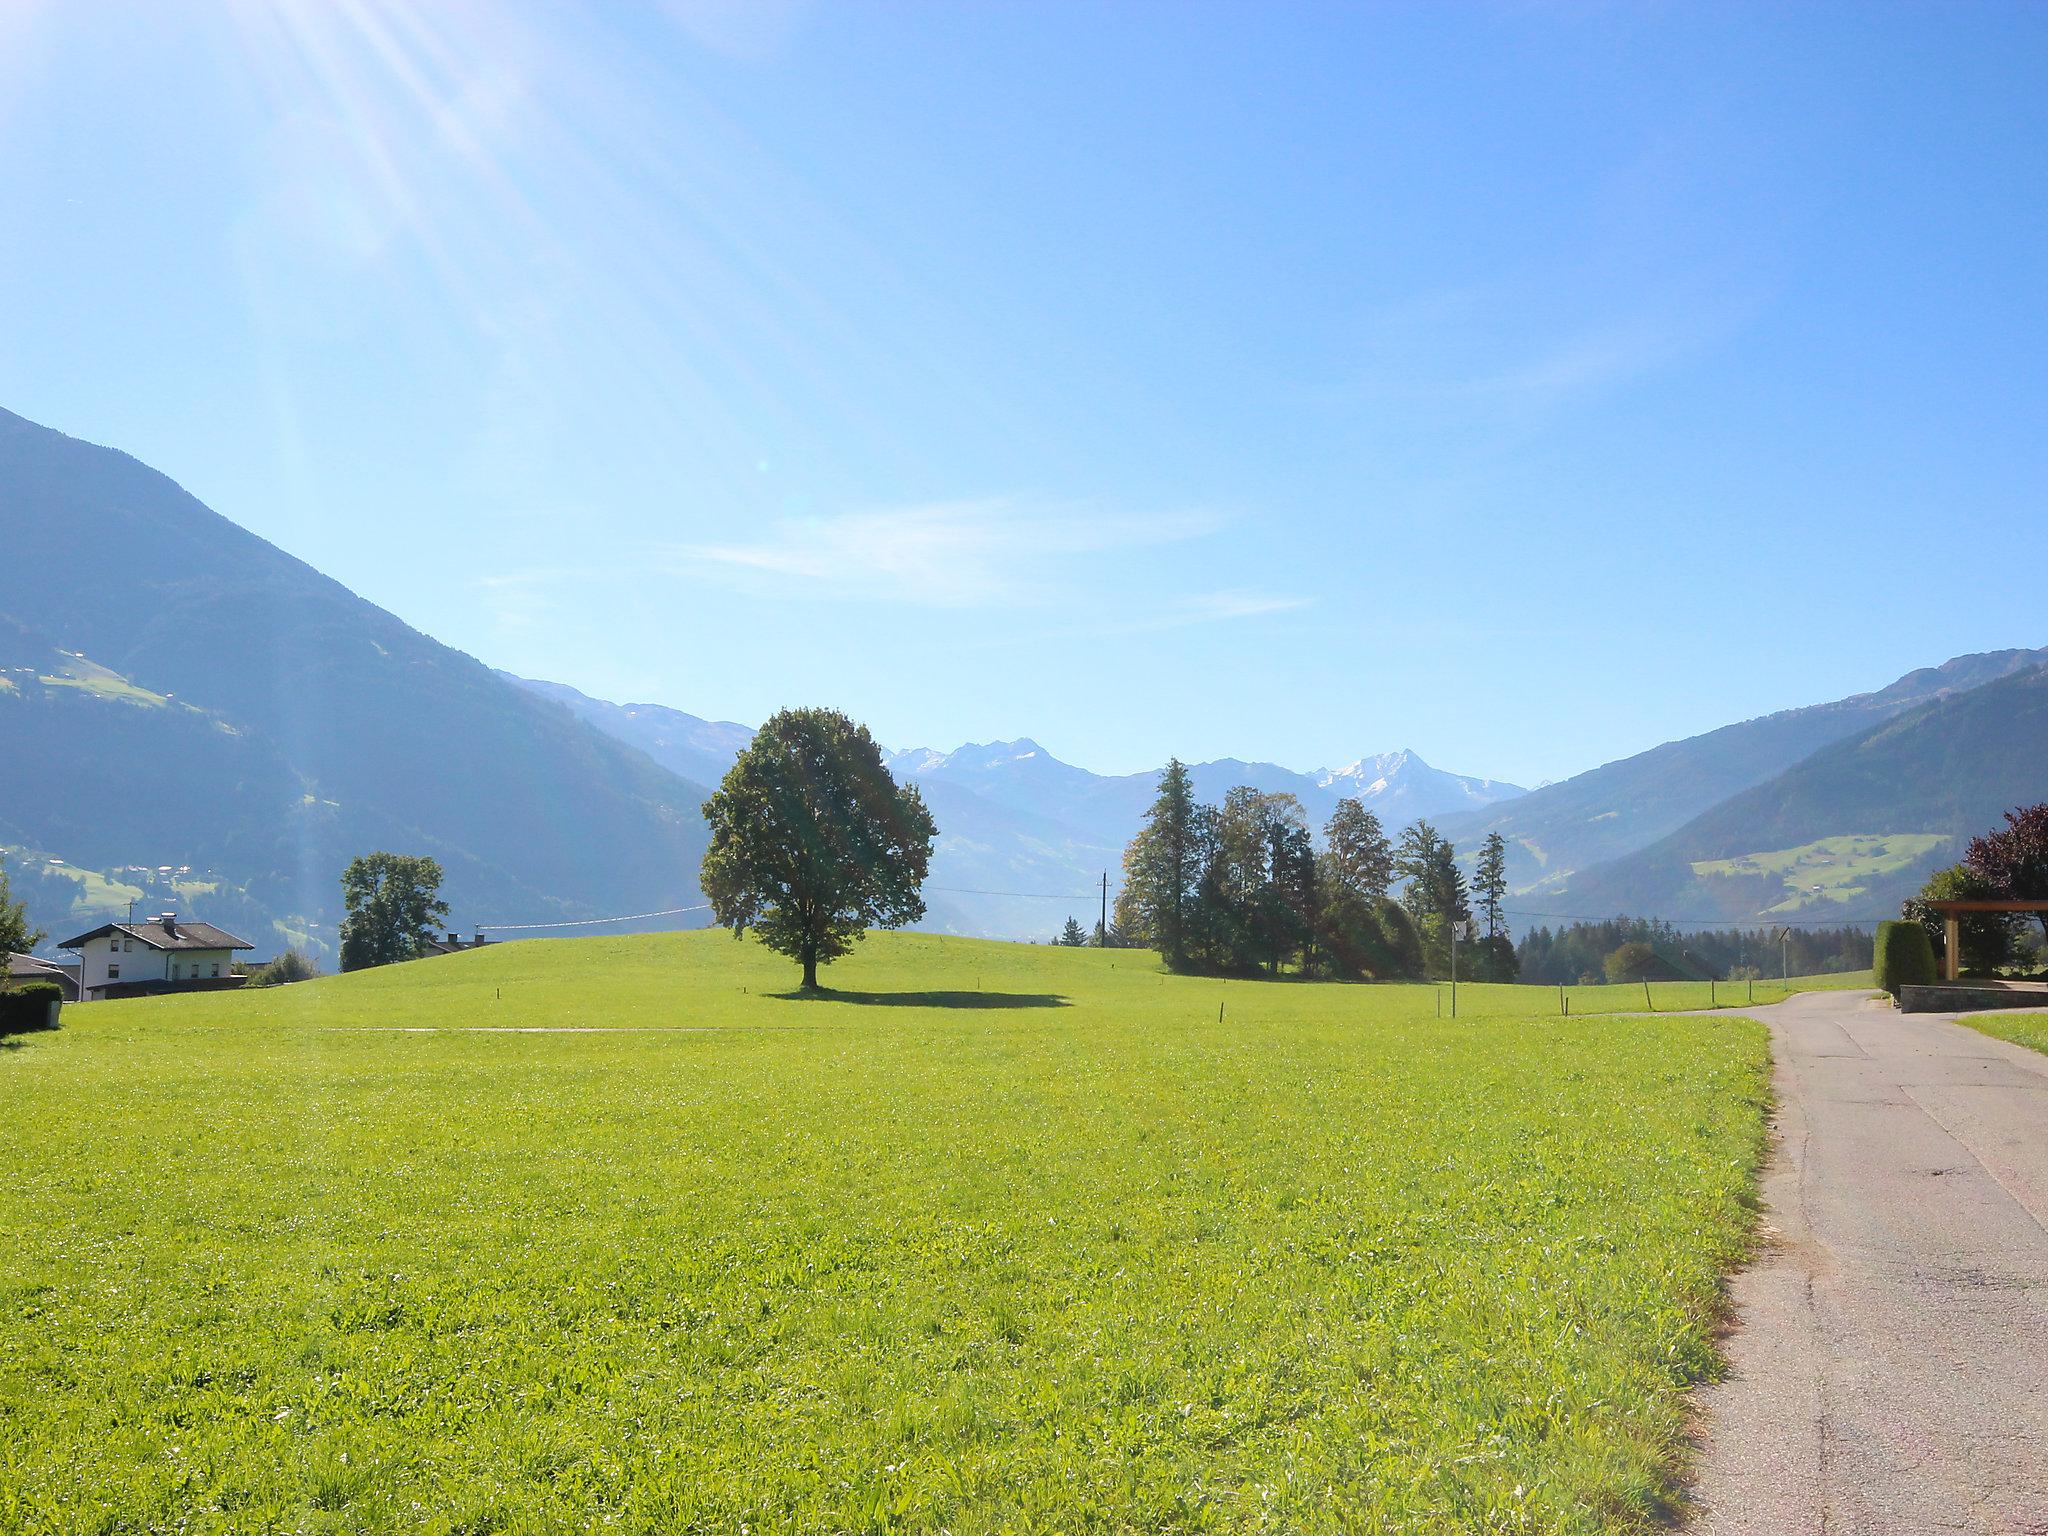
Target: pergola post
[{"x": 1952, "y": 947}]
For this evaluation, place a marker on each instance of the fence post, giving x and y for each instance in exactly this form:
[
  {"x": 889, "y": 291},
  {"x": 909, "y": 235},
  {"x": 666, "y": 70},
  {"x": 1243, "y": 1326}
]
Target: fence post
[{"x": 1647, "y": 1003}]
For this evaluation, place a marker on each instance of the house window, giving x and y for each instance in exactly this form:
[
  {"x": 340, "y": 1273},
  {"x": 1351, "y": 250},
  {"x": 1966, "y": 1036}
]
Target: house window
[
  {"x": 128, "y": 945},
  {"x": 216, "y": 967},
  {"x": 113, "y": 973}
]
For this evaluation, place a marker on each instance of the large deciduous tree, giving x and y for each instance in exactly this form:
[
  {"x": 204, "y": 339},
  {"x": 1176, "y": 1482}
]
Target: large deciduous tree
[
  {"x": 2013, "y": 859},
  {"x": 813, "y": 842},
  {"x": 393, "y": 909},
  {"x": 1435, "y": 893},
  {"x": 1359, "y": 932}
]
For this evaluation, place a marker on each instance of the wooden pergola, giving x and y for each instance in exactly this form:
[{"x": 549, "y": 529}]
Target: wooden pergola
[{"x": 1952, "y": 915}]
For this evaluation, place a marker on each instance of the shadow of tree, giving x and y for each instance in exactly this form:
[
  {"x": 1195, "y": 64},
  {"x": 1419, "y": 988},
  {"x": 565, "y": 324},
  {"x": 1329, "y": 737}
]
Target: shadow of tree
[{"x": 925, "y": 999}]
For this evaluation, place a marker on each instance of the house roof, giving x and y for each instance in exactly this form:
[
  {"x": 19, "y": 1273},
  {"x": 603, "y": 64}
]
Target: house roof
[
  {"x": 28, "y": 965},
  {"x": 156, "y": 936}
]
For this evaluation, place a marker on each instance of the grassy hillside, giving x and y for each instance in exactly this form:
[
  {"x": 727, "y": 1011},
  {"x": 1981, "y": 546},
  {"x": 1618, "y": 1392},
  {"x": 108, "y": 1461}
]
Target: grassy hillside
[
  {"x": 1898, "y": 800},
  {"x": 614, "y": 1232},
  {"x": 161, "y": 608}
]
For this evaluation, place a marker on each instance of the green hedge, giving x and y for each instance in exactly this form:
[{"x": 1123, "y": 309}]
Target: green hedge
[
  {"x": 1905, "y": 956},
  {"x": 27, "y": 1006}
]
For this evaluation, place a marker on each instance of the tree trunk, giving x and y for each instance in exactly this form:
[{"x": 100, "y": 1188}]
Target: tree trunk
[{"x": 810, "y": 968}]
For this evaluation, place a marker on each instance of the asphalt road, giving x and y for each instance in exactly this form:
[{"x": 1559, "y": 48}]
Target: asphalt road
[{"x": 1890, "y": 1354}]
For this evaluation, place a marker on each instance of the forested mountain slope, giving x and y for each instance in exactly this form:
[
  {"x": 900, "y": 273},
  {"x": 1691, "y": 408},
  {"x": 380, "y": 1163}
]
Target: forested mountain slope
[
  {"x": 1864, "y": 820},
  {"x": 278, "y": 686},
  {"x": 1613, "y": 810}
]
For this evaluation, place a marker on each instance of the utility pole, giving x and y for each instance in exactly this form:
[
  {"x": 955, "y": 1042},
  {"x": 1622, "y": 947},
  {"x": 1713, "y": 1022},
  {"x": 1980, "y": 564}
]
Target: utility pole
[{"x": 1102, "y": 932}]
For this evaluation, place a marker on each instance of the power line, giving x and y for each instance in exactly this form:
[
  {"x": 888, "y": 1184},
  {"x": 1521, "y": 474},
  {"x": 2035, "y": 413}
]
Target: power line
[
  {"x": 962, "y": 890},
  {"x": 593, "y": 922}
]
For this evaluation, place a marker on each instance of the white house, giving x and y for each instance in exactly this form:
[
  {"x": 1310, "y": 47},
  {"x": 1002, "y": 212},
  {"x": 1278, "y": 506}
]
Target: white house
[{"x": 162, "y": 955}]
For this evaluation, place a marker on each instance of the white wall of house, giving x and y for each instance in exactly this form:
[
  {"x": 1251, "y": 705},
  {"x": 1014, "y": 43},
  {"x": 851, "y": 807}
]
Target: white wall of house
[{"x": 119, "y": 958}]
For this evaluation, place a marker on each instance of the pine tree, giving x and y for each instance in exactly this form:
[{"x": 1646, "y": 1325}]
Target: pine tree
[
  {"x": 1162, "y": 868},
  {"x": 1490, "y": 884},
  {"x": 1073, "y": 936}
]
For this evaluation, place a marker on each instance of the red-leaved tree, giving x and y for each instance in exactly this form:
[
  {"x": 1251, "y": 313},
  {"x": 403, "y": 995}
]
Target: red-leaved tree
[{"x": 2013, "y": 860}]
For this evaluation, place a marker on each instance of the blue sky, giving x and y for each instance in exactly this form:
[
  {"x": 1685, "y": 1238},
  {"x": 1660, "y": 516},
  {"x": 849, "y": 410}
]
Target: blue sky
[{"x": 1525, "y": 384}]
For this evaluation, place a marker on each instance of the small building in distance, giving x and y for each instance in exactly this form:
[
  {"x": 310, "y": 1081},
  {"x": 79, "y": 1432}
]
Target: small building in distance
[
  {"x": 453, "y": 944},
  {"x": 20, "y": 968},
  {"x": 165, "y": 954}
]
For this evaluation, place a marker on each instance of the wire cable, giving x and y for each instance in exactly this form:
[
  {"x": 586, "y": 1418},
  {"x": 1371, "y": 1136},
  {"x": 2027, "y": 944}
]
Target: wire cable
[{"x": 594, "y": 922}]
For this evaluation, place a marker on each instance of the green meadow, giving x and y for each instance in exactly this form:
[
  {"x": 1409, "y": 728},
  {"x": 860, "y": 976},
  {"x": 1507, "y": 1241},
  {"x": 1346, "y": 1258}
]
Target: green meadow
[
  {"x": 613, "y": 1234},
  {"x": 2028, "y": 1029}
]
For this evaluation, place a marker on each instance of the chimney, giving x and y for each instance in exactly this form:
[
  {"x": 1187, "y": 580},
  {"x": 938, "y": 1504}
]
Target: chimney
[
  {"x": 479, "y": 937},
  {"x": 454, "y": 941},
  {"x": 170, "y": 922}
]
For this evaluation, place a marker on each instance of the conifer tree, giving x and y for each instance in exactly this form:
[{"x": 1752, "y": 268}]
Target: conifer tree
[
  {"x": 1162, "y": 868},
  {"x": 1490, "y": 885}
]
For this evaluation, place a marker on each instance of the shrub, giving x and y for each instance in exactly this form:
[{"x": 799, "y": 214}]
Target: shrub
[
  {"x": 1905, "y": 956},
  {"x": 293, "y": 965},
  {"x": 27, "y": 1007},
  {"x": 1639, "y": 961}
]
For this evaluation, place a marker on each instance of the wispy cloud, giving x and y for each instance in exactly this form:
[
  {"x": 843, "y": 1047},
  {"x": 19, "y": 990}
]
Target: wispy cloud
[
  {"x": 1593, "y": 359},
  {"x": 1084, "y": 572},
  {"x": 1512, "y": 349},
  {"x": 947, "y": 554},
  {"x": 1214, "y": 607},
  {"x": 517, "y": 599}
]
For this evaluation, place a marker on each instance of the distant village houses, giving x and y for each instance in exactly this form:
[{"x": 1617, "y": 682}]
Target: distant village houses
[{"x": 165, "y": 954}]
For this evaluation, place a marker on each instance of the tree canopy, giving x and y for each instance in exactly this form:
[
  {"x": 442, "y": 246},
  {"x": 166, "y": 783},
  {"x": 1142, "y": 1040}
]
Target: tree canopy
[
  {"x": 813, "y": 841},
  {"x": 1241, "y": 887},
  {"x": 1435, "y": 893},
  {"x": 393, "y": 909},
  {"x": 16, "y": 936},
  {"x": 15, "y": 932},
  {"x": 2012, "y": 860}
]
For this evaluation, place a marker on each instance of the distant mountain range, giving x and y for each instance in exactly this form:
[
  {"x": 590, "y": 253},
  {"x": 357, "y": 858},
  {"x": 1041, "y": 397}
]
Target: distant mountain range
[
  {"x": 191, "y": 718},
  {"x": 1564, "y": 829},
  {"x": 1024, "y": 838},
  {"x": 1857, "y": 826}
]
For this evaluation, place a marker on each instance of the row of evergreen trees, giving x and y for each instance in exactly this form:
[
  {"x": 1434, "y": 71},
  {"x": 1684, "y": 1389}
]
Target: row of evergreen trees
[
  {"x": 1646, "y": 949},
  {"x": 1242, "y": 888}
]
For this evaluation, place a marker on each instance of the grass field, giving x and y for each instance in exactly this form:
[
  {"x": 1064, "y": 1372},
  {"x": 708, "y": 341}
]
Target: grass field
[
  {"x": 2028, "y": 1029},
  {"x": 1002, "y": 1239}
]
